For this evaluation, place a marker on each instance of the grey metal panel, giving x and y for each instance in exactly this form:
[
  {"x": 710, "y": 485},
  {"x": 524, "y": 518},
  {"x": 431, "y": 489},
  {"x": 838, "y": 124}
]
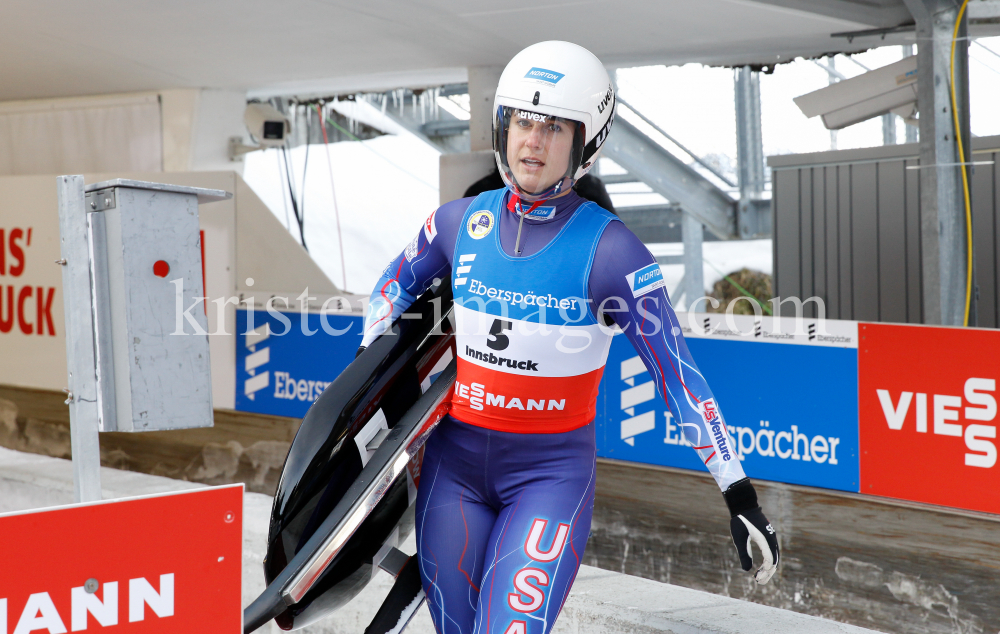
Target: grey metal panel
[
  {"x": 833, "y": 260},
  {"x": 806, "y": 238},
  {"x": 846, "y": 223},
  {"x": 914, "y": 297},
  {"x": 819, "y": 234},
  {"x": 854, "y": 236},
  {"x": 786, "y": 233},
  {"x": 162, "y": 380},
  {"x": 892, "y": 242},
  {"x": 864, "y": 202},
  {"x": 983, "y": 233}
]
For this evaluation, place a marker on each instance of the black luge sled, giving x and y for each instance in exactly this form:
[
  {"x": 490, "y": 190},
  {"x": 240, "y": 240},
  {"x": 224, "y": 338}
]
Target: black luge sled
[
  {"x": 401, "y": 603},
  {"x": 349, "y": 482}
]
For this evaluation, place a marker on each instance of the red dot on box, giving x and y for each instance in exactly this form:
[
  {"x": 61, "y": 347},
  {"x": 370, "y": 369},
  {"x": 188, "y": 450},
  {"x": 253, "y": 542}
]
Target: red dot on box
[{"x": 161, "y": 269}]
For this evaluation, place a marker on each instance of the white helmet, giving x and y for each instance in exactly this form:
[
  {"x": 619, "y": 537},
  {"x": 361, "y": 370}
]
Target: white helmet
[{"x": 549, "y": 83}]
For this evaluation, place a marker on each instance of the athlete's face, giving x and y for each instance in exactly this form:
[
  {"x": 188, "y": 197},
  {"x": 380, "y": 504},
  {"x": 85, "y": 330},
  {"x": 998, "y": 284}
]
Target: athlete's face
[{"x": 538, "y": 149}]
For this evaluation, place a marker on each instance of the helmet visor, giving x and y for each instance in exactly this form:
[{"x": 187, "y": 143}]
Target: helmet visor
[{"x": 538, "y": 154}]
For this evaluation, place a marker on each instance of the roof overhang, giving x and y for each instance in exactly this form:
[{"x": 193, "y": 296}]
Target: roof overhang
[{"x": 54, "y": 49}]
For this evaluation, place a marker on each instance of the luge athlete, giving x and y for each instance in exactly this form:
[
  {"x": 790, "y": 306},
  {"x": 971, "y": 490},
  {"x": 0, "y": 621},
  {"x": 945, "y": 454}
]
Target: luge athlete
[{"x": 507, "y": 486}]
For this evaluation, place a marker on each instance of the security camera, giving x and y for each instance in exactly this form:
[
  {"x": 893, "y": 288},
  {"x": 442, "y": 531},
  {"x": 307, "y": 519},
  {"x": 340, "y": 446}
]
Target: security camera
[
  {"x": 892, "y": 88},
  {"x": 267, "y": 126}
]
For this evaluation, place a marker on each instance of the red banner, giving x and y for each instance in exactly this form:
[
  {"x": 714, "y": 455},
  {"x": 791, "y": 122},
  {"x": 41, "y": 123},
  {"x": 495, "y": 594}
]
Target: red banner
[
  {"x": 158, "y": 564},
  {"x": 928, "y": 413}
]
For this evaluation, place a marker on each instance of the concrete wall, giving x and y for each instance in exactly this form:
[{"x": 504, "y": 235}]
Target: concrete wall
[
  {"x": 885, "y": 564},
  {"x": 601, "y": 601},
  {"x": 197, "y": 125},
  {"x": 240, "y": 447},
  {"x": 178, "y": 130}
]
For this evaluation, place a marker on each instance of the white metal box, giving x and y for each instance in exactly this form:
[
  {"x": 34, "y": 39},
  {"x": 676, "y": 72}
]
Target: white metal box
[{"x": 147, "y": 291}]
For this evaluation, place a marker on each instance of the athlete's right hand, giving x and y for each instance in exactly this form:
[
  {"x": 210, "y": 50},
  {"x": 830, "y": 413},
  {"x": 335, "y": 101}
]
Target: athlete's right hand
[{"x": 748, "y": 524}]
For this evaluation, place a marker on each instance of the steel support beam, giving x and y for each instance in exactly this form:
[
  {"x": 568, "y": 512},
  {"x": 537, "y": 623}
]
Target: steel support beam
[
  {"x": 834, "y": 77},
  {"x": 650, "y": 215},
  {"x": 653, "y": 223},
  {"x": 614, "y": 179},
  {"x": 749, "y": 155},
  {"x": 444, "y": 127},
  {"x": 942, "y": 201},
  {"x": 670, "y": 177},
  {"x": 81, "y": 394},
  {"x": 889, "y": 129},
  {"x": 694, "y": 272},
  {"x": 911, "y": 130}
]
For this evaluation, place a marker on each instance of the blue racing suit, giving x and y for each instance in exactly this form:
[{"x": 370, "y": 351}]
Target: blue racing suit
[{"x": 507, "y": 488}]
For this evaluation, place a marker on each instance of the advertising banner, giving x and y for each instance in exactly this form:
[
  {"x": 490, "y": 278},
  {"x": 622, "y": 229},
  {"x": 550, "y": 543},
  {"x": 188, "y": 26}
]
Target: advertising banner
[
  {"x": 285, "y": 361},
  {"x": 158, "y": 564},
  {"x": 802, "y": 401},
  {"x": 928, "y": 414},
  {"x": 31, "y": 303},
  {"x": 789, "y": 399}
]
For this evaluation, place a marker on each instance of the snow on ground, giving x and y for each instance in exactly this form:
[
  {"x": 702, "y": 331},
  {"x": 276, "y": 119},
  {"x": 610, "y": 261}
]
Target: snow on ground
[
  {"x": 720, "y": 258},
  {"x": 385, "y": 188}
]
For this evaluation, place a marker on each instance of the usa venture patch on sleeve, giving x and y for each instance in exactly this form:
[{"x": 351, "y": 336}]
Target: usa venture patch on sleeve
[
  {"x": 645, "y": 280},
  {"x": 721, "y": 439}
]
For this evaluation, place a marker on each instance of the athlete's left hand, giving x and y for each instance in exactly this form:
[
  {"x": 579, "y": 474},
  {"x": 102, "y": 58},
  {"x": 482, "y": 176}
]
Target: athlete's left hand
[{"x": 747, "y": 525}]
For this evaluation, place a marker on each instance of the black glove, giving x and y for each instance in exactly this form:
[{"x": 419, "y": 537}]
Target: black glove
[{"x": 749, "y": 524}]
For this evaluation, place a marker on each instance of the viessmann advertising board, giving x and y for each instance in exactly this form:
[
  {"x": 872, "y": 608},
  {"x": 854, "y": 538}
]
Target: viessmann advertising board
[
  {"x": 928, "y": 406},
  {"x": 158, "y": 564},
  {"x": 833, "y": 404}
]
